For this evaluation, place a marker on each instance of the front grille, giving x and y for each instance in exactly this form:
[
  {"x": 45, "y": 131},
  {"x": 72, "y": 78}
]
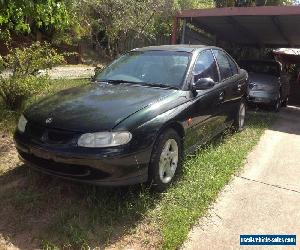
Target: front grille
[
  {"x": 60, "y": 137},
  {"x": 49, "y": 135},
  {"x": 65, "y": 170},
  {"x": 34, "y": 131}
]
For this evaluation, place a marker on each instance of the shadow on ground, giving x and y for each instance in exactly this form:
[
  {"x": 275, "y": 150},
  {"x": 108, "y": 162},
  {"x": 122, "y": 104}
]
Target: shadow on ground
[
  {"x": 42, "y": 211},
  {"x": 289, "y": 121},
  {"x": 288, "y": 116}
]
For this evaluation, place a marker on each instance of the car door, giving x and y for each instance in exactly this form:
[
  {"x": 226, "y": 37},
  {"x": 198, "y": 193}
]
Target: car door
[
  {"x": 205, "y": 103},
  {"x": 231, "y": 84}
]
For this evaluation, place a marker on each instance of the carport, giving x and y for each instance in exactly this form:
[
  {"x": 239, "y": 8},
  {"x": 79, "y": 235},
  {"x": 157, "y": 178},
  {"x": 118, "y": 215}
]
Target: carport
[
  {"x": 270, "y": 26},
  {"x": 254, "y": 27}
]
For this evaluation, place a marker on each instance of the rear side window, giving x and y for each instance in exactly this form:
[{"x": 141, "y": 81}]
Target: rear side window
[
  {"x": 224, "y": 65},
  {"x": 205, "y": 67},
  {"x": 233, "y": 66}
]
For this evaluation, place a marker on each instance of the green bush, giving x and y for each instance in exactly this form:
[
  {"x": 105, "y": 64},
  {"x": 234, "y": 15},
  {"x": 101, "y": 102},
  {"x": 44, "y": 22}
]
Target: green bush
[
  {"x": 16, "y": 90},
  {"x": 23, "y": 77}
]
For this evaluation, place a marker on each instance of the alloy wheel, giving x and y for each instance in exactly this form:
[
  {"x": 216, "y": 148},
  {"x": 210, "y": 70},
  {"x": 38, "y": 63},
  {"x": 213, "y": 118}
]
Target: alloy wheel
[
  {"x": 168, "y": 161},
  {"x": 242, "y": 114}
]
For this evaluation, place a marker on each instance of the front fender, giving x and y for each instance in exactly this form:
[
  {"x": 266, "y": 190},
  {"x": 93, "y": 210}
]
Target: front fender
[{"x": 144, "y": 135}]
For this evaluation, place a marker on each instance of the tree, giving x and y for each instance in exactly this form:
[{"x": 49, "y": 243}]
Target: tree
[
  {"x": 31, "y": 16},
  {"x": 194, "y": 4},
  {"x": 112, "y": 22}
]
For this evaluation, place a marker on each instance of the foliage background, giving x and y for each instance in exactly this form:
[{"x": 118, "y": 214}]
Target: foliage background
[{"x": 105, "y": 24}]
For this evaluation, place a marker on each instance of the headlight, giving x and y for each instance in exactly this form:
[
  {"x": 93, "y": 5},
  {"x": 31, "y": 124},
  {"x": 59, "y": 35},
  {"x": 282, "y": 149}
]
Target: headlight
[
  {"x": 104, "y": 139},
  {"x": 22, "y": 124}
]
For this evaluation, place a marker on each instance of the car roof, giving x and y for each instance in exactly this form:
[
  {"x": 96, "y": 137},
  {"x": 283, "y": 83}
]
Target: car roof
[{"x": 177, "y": 47}]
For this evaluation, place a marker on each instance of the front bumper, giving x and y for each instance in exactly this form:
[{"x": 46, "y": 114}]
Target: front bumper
[
  {"x": 106, "y": 167},
  {"x": 262, "y": 97}
]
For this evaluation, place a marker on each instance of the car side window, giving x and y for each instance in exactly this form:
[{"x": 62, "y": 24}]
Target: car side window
[
  {"x": 224, "y": 65},
  {"x": 233, "y": 66},
  {"x": 205, "y": 67}
]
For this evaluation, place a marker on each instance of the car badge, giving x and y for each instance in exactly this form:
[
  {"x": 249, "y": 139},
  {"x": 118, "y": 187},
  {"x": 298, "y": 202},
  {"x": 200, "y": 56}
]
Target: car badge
[{"x": 49, "y": 120}]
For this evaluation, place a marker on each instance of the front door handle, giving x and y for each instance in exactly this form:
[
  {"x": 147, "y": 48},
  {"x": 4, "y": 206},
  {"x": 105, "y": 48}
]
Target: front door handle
[
  {"x": 239, "y": 87},
  {"x": 221, "y": 96}
]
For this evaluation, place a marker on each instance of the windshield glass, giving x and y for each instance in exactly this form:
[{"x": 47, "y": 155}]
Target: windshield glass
[
  {"x": 148, "y": 67},
  {"x": 270, "y": 68}
]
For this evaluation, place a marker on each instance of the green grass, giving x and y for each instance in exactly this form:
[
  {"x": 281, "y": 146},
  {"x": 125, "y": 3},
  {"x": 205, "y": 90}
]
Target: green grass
[
  {"x": 77, "y": 216},
  {"x": 205, "y": 174}
]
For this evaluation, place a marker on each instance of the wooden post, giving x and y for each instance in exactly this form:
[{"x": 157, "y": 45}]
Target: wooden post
[
  {"x": 174, "y": 32},
  {"x": 183, "y": 32}
]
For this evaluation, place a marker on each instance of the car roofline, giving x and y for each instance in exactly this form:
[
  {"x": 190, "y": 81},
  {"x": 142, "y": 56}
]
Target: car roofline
[{"x": 176, "y": 48}]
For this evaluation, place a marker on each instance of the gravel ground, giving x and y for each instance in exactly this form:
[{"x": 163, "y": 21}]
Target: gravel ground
[
  {"x": 67, "y": 72},
  {"x": 72, "y": 72}
]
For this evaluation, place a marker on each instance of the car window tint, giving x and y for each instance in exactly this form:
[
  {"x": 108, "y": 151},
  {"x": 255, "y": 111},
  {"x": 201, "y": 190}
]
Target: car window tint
[
  {"x": 205, "y": 67},
  {"x": 224, "y": 66},
  {"x": 233, "y": 66}
]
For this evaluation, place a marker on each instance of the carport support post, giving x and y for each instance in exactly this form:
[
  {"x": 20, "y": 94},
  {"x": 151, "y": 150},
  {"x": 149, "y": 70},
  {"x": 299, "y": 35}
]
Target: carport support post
[
  {"x": 183, "y": 32},
  {"x": 174, "y": 32}
]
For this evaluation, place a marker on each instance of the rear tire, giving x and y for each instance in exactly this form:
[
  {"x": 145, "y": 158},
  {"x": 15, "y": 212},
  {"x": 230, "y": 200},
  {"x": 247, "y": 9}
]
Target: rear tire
[
  {"x": 239, "y": 120},
  {"x": 165, "y": 161}
]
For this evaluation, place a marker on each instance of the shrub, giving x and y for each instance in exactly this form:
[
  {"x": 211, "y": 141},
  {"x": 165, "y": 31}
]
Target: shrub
[
  {"x": 24, "y": 77},
  {"x": 16, "y": 90}
]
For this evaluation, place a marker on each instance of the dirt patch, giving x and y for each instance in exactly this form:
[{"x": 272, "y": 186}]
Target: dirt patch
[
  {"x": 5, "y": 144},
  {"x": 5, "y": 244},
  {"x": 145, "y": 236},
  {"x": 8, "y": 154},
  {"x": 39, "y": 211}
]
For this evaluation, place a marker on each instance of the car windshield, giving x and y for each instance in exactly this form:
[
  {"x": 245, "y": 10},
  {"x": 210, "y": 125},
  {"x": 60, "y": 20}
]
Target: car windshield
[
  {"x": 160, "y": 68},
  {"x": 270, "y": 68}
]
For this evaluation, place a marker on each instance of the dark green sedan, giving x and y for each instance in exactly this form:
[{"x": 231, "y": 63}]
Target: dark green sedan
[{"x": 137, "y": 118}]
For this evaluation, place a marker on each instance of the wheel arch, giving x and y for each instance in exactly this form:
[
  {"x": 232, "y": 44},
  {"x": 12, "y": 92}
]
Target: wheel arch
[
  {"x": 172, "y": 125},
  {"x": 176, "y": 126}
]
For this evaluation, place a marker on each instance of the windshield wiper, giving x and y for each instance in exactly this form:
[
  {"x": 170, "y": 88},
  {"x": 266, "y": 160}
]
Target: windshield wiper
[
  {"x": 154, "y": 84},
  {"x": 118, "y": 81},
  {"x": 160, "y": 85}
]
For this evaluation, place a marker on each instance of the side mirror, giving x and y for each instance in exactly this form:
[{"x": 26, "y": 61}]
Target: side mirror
[{"x": 203, "y": 84}]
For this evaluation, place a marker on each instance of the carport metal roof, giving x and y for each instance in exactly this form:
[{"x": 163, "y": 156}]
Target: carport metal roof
[{"x": 270, "y": 26}]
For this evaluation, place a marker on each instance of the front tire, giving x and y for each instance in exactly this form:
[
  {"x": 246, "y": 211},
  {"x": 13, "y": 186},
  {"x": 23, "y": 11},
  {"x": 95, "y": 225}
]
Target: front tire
[
  {"x": 166, "y": 160},
  {"x": 239, "y": 121},
  {"x": 277, "y": 105}
]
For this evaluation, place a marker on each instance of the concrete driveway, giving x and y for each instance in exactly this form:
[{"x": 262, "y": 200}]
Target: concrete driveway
[{"x": 264, "y": 198}]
